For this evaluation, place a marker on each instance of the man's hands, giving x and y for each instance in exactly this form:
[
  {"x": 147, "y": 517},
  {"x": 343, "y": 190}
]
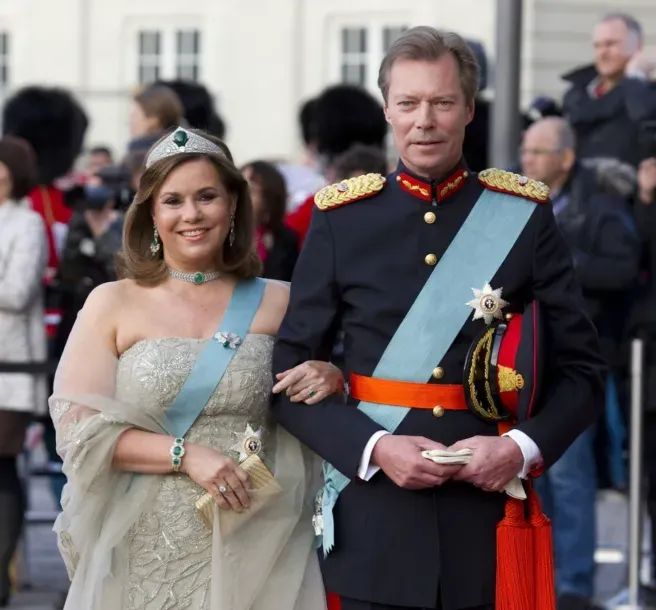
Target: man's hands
[
  {"x": 400, "y": 459},
  {"x": 640, "y": 65},
  {"x": 495, "y": 462}
]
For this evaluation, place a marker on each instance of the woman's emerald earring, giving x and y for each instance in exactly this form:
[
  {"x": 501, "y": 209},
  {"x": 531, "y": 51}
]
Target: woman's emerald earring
[{"x": 155, "y": 245}]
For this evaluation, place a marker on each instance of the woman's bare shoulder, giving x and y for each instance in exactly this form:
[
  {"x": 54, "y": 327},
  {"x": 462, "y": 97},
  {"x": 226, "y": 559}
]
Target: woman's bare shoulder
[
  {"x": 108, "y": 299},
  {"x": 273, "y": 308}
]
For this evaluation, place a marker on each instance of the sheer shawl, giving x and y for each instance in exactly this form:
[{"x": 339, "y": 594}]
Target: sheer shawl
[{"x": 267, "y": 564}]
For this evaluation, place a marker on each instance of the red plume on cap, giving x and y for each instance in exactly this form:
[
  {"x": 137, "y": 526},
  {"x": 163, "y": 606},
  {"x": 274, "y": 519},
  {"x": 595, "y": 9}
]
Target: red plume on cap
[{"x": 502, "y": 372}]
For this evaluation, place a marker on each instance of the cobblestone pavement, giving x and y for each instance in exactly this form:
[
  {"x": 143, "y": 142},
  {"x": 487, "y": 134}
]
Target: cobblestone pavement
[
  {"x": 45, "y": 580},
  {"x": 42, "y": 573}
]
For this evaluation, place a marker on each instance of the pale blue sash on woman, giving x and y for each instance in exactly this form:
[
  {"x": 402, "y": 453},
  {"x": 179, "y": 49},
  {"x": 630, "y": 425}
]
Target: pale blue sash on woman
[{"x": 215, "y": 357}]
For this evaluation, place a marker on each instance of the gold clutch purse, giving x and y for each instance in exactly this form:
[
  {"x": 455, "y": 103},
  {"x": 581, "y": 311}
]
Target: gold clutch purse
[{"x": 262, "y": 488}]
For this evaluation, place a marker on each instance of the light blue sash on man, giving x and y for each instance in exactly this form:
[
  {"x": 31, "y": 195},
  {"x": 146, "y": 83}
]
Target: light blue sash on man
[
  {"x": 215, "y": 357},
  {"x": 438, "y": 315}
]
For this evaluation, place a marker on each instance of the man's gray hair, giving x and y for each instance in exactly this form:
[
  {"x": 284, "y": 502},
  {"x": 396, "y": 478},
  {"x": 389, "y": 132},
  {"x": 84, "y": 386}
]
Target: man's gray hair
[
  {"x": 631, "y": 23},
  {"x": 565, "y": 133},
  {"x": 424, "y": 43},
  {"x": 565, "y": 136}
]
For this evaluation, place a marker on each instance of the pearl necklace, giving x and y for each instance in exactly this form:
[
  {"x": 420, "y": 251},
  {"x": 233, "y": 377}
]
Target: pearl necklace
[{"x": 196, "y": 278}]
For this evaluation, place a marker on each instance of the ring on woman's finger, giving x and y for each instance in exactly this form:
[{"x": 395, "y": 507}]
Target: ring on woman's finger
[
  {"x": 223, "y": 489},
  {"x": 311, "y": 392}
]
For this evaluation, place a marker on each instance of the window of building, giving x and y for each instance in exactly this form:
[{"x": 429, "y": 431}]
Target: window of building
[
  {"x": 361, "y": 49},
  {"x": 187, "y": 54},
  {"x": 150, "y": 55},
  {"x": 390, "y": 34},
  {"x": 354, "y": 56},
  {"x": 4, "y": 59},
  {"x": 168, "y": 53}
]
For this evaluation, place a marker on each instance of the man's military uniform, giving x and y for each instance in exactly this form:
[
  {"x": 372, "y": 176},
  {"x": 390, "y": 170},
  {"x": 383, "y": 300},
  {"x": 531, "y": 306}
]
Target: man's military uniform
[{"x": 371, "y": 248}]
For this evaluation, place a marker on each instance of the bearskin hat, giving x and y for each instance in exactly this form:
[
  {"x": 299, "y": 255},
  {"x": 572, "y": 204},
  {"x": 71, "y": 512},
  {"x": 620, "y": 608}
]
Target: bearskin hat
[
  {"x": 54, "y": 124},
  {"x": 345, "y": 115},
  {"x": 198, "y": 105}
]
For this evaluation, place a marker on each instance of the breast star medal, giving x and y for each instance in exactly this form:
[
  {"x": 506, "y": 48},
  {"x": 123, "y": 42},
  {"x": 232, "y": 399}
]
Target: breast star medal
[
  {"x": 248, "y": 443},
  {"x": 487, "y": 304}
]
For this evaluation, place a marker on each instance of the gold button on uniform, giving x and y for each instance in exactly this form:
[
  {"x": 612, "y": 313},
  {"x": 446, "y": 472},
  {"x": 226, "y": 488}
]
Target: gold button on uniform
[
  {"x": 429, "y": 218},
  {"x": 438, "y": 372},
  {"x": 430, "y": 259},
  {"x": 438, "y": 411}
]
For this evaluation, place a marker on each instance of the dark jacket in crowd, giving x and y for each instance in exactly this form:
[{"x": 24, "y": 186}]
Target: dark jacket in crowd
[
  {"x": 598, "y": 225},
  {"x": 646, "y": 222},
  {"x": 645, "y": 312},
  {"x": 643, "y": 317},
  {"x": 281, "y": 257},
  {"x": 477, "y": 137},
  {"x": 608, "y": 126},
  {"x": 86, "y": 262}
]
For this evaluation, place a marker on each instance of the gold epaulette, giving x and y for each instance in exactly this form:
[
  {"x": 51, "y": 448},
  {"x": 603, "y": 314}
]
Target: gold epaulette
[
  {"x": 514, "y": 184},
  {"x": 348, "y": 191}
]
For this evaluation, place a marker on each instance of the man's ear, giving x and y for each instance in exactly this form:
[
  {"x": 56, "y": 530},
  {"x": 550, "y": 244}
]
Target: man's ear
[
  {"x": 471, "y": 110},
  {"x": 569, "y": 158}
]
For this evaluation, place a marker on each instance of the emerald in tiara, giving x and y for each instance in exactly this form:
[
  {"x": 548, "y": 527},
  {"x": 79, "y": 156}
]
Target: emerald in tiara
[
  {"x": 180, "y": 138},
  {"x": 182, "y": 141}
]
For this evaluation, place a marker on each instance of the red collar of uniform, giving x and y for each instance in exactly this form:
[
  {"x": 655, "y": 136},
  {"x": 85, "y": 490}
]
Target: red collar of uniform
[{"x": 424, "y": 190}]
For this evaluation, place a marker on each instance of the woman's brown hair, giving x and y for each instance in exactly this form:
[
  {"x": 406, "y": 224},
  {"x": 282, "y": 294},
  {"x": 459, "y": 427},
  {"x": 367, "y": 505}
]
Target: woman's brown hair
[
  {"x": 136, "y": 261},
  {"x": 274, "y": 192},
  {"x": 20, "y": 160},
  {"x": 163, "y": 103}
]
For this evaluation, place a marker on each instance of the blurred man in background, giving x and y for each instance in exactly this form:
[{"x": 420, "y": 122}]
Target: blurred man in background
[
  {"x": 598, "y": 227},
  {"x": 608, "y": 100},
  {"x": 98, "y": 158}
]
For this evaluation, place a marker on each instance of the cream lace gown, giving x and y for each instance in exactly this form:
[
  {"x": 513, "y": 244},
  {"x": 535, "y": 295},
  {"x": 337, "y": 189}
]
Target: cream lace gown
[{"x": 156, "y": 553}]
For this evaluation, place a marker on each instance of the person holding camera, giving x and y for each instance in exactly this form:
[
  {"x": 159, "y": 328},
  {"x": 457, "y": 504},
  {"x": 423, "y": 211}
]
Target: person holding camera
[{"x": 94, "y": 238}]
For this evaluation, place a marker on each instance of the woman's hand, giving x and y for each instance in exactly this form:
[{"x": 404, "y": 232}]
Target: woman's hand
[
  {"x": 310, "y": 382},
  {"x": 217, "y": 474}
]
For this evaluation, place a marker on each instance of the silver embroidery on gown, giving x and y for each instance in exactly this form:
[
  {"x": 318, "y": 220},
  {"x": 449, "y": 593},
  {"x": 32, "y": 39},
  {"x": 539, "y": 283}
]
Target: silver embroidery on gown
[{"x": 169, "y": 548}]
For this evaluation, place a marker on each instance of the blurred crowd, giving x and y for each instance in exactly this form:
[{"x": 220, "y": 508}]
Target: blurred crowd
[{"x": 595, "y": 149}]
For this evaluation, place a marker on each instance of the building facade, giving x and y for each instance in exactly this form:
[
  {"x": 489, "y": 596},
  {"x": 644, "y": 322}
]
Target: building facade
[{"x": 262, "y": 58}]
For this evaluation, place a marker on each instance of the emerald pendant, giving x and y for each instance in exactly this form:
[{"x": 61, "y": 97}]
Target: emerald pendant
[{"x": 197, "y": 278}]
